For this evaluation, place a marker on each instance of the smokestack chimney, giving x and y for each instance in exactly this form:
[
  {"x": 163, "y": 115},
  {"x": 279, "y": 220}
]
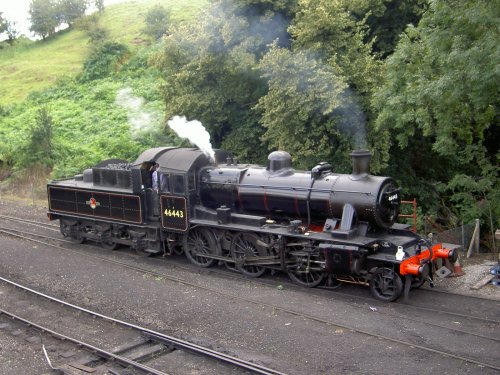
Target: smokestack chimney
[{"x": 360, "y": 164}]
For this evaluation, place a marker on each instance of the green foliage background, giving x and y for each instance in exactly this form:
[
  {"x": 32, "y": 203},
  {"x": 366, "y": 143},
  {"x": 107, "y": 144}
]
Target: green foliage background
[{"x": 416, "y": 82}]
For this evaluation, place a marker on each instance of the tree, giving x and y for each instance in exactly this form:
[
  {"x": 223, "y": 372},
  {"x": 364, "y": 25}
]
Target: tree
[
  {"x": 71, "y": 10},
  {"x": 384, "y": 20},
  {"x": 99, "y": 4},
  {"x": 210, "y": 73},
  {"x": 43, "y": 17},
  {"x": 443, "y": 77},
  {"x": 287, "y": 8},
  {"x": 299, "y": 110},
  {"x": 38, "y": 151},
  {"x": 157, "y": 21},
  {"x": 3, "y": 24},
  {"x": 90, "y": 25},
  {"x": 336, "y": 32},
  {"x": 386, "y": 25},
  {"x": 9, "y": 28},
  {"x": 103, "y": 60},
  {"x": 441, "y": 89},
  {"x": 11, "y": 32},
  {"x": 331, "y": 29}
]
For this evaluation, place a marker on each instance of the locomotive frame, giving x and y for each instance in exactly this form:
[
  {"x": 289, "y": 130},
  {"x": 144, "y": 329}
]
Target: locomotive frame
[{"x": 310, "y": 225}]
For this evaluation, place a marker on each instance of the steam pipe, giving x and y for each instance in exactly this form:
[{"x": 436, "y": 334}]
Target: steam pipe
[{"x": 360, "y": 164}]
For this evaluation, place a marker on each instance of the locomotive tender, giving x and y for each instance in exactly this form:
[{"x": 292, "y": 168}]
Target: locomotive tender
[{"x": 312, "y": 225}]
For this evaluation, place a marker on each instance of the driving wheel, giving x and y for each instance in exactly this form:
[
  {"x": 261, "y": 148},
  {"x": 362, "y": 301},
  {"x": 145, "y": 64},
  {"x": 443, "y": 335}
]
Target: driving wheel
[
  {"x": 201, "y": 241},
  {"x": 244, "y": 247}
]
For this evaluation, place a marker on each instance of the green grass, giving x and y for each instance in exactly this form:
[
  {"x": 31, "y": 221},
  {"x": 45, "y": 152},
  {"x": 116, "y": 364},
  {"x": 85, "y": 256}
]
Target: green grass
[
  {"x": 126, "y": 20},
  {"x": 38, "y": 65}
]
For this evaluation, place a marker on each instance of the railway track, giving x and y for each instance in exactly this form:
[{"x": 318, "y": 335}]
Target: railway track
[
  {"x": 31, "y": 222},
  {"x": 232, "y": 275},
  {"x": 341, "y": 325},
  {"x": 83, "y": 362},
  {"x": 145, "y": 343},
  {"x": 352, "y": 293}
]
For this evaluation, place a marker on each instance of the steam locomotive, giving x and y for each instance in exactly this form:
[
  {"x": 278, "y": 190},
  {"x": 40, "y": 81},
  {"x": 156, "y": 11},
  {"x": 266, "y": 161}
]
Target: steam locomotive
[{"x": 314, "y": 225}]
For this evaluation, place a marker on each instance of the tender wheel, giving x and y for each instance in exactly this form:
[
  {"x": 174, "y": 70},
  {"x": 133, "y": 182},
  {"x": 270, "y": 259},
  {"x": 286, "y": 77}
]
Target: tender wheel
[
  {"x": 386, "y": 285},
  {"x": 72, "y": 232},
  {"x": 201, "y": 241},
  {"x": 64, "y": 228},
  {"x": 143, "y": 253},
  {"x": 245, "y": 246},
  {"x": 109, "y": 244}
]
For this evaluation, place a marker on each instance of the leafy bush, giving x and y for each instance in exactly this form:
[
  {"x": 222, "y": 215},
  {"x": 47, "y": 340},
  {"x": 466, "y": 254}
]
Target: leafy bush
[
  {"x": 476, "y": 195},
  {"x": 157, "y": 21},
  {"x": 38, "y": 150},
  {"x": 90, "y": 25},
  {"x": 104, "y": 60}
]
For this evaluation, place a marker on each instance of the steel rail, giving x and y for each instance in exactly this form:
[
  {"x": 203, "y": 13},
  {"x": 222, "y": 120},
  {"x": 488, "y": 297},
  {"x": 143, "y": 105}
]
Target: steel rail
[
  {"x": 6, "y": 230},
  {"x": 172, "y": 278},
  {"x": 107, "y": 260},
  {"x": 100, "y": 352},
  {"x": 459, "y": 315},
  {"x": 340, "y": 325},
  {"x": 176, "y": 342},
  {"x": 441, "y": 291},
  {"x": 31, "y": 222},
  {"x": 168, "y": 277},
  {"x": 45, "y": 226}
]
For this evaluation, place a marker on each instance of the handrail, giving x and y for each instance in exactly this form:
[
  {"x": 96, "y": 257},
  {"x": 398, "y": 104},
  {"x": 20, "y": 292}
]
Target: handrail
[{"x": 413, "y": 215}]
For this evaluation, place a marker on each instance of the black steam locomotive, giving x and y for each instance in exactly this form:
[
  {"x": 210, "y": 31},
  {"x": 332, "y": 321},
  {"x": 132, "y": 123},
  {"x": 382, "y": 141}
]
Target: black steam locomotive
[{"x": 313, "y": 225}]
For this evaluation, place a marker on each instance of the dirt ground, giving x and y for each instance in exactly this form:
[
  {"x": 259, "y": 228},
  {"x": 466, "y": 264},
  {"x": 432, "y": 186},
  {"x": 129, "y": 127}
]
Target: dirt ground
[
  {"x": 269, "y": 336},
  {"x": 475, "y": 269}
]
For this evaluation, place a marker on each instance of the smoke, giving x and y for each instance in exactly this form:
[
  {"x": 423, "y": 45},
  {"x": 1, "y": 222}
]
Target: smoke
[
  {"x": 352, "y": 119},
  {"x": 320, "y": 89},
  {"x": 139, "y": 118},
  {"x": 193, "y": 131}
]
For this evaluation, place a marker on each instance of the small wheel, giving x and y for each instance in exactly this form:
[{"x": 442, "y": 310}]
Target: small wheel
[
  {"x": 417, "y": 282},
  {"x": 178, "y": 250},
  {"x": 109, "y": 244},
  {"x": 201, "y": 241},
  {"x": 78, "y": 240},
  {"x": 386, "y": 285},
  {"x": 64, "y": 228},
  {"x": 309, "y": 279},
  {"x": 244, "y": 246},
  {"x": 72, "y": 232},
  {"x": 332, "y": 282},
  {"x": 143, "y": 253}
]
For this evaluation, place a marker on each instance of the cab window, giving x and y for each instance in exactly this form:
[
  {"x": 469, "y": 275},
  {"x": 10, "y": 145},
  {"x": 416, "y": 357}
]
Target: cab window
[
  {"x": 164, "y": 182},
  {"x": 191, "y": 182},
  {"x": 177, "y": 184}
]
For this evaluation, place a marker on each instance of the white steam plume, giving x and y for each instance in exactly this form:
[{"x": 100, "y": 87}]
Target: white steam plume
[
  {"x": 193, "y": 131},
  {"x": 139, "y": 118}
]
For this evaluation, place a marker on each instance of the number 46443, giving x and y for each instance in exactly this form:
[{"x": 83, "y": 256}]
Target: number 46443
[{"x": 174, "y": 213}]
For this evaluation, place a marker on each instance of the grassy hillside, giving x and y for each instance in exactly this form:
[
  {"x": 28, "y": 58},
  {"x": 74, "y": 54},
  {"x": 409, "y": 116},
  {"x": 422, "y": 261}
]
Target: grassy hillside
[
  {"x": 39, "y": 64},
  {"x": 126, "y": 20}
]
